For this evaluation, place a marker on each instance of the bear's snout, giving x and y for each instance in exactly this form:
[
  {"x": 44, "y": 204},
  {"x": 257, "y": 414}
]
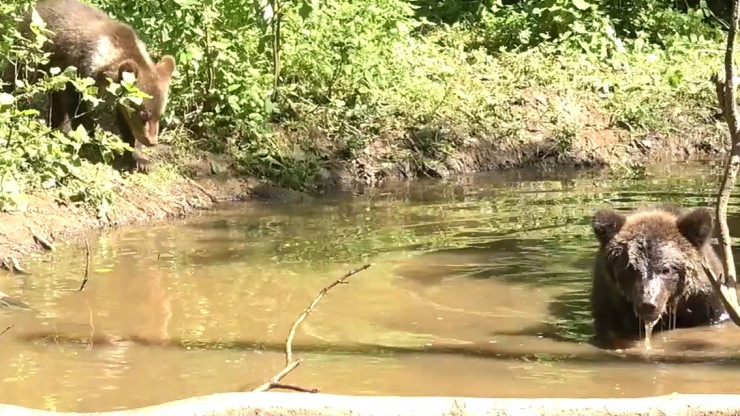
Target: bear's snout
[
  {"x": 652, "y": 295},
  {"x": 649, "y": 312}
]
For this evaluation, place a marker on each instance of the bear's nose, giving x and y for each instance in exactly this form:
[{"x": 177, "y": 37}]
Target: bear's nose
[{"x": 648, "y": 311}]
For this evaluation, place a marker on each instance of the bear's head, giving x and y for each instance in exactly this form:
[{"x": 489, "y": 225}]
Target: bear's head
[
  {"x": 653, "y": 257},
  {"x": 154, "y": 80}
]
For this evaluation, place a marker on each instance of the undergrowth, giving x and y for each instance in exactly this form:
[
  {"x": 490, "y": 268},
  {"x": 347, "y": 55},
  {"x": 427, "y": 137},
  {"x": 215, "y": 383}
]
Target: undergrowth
[{"x": 384, "y": 82}]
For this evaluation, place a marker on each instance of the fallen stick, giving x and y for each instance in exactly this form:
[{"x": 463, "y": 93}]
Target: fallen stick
[
  {"x": 87, "y": 264},
  {"x": 7, "y": 329},
  {"x": 291, "y": 364}
]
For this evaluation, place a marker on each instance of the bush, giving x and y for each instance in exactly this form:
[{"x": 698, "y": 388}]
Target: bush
[
  {"x": 33, "y": 156},
  {"x": 433, "y": 75},
  {"x": 592, "y": 26}
]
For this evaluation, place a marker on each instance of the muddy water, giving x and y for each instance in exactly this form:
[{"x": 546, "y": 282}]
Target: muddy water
[{"x": 479, "y": 288}]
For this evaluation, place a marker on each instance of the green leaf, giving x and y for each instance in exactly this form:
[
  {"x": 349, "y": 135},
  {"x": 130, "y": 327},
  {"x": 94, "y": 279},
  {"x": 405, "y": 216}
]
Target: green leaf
[
  {"x": 129, "y": 77},
  {"x": 305, "y": 10},
  {"x": 185, "y": 3},
  {"x": 581, "y": 4},
  {"x": 36, "y": 19},
  {"x": 6, "y": 99}
]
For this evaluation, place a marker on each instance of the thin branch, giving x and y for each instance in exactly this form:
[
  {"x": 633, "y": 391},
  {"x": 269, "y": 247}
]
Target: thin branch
[
  {"x": 728, "y": 184},
  {"x": 725, "y": 294},
  {"x": 7, "y": 329},
  {"x": 730, "y": 104},
  {"x": 274, "y": 381},
  {"x": 304, "y": 315},
  {"x": 276, "y": 20},
  {"x": 294, "y": 388},
  {"x": 92, "y": 327},
  {"x": 290, "y": 364},
  {"x": 87, "y": 264},
  {"x": 727, "y": 288}
]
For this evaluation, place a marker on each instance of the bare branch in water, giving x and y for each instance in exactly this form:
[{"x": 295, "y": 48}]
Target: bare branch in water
[
  {"x": 87, "y": 264},
  {"x": 291, "y": 364},
  {"x": 7, "y": 329},
  {"x": 725, "y": 294},
  {"x": 304, "y": 315},
  {"x": 279, "y": 376},
  {"x": 294, "y": 388},
  {"x": 726, "y": 95}
]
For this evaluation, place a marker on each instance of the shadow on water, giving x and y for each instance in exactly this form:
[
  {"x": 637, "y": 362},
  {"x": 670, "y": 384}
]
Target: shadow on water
[{"x": 583, "y": 355}]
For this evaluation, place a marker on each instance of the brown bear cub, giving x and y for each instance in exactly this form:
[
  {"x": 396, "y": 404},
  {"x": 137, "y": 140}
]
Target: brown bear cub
[
  {"x": 100, "y": 48},
  {"x": 649, "y": 270}
]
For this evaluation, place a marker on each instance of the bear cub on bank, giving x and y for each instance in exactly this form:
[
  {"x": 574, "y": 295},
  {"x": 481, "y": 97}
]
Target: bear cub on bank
[
  {"x": 101, "y": 48},
  {"x": 648, "y": 268}
]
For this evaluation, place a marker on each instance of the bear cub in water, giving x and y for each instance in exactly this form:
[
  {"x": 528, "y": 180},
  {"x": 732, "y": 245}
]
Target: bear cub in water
[{"x": 649, "y": 270}]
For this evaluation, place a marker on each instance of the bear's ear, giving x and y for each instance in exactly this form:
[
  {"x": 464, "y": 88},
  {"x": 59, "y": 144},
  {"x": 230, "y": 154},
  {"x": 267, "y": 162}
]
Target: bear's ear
[
  {"x": 696, "y": 226},
  {"x": 166, "y": 65},
  {"x": 607, "y": 224}
]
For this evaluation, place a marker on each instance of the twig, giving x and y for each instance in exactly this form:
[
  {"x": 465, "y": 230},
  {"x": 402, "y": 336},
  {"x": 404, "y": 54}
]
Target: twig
[
  {"x": 727, "y": 288},
  {"x": 304, "y": 315},
  {"x": 41, "y": 241},
  {"x": 273, "y": 381},
  {"x": 295, "y": 388},
  {"x": 92, "y": 327},
  {"x": 87, "y": 264},
  {"x": 290, "y": 364},
  {"x": 725, "y": 294},
  {"x": 276, "y": 41},
  {"x": 202, "y": 189},
  {"x": 7, "y": 329}
]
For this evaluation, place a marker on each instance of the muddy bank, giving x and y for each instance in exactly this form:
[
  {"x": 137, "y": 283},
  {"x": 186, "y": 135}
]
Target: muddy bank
[
  {"x": 392, "y": 155},
  {"x": 595, "y": 141},
  {"x": 48, "y": 220},
  {"x": 289, "y": 404}
]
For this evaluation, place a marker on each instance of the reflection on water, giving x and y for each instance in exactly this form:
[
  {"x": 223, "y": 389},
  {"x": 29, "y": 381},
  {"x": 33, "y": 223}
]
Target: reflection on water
[{"x": 480, "y": 288}]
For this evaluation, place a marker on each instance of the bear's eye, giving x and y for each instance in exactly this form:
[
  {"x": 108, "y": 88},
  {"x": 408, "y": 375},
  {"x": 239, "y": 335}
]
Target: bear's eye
[
  {"x": 145, "y": 115},
  {"x": 666, "y": 270}
]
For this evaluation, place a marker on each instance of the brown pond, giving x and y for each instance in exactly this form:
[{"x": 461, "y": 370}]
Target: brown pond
[{"x": 479, "y": 288}]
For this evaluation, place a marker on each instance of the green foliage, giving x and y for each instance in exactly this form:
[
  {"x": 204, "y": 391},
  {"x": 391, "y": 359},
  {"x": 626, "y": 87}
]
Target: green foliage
[
  {"x": 603, "y": 27},
  {"x": 222, "y": 85},
  {"x": 361, "y": 81},
  {"x": 32, "y": 155}
]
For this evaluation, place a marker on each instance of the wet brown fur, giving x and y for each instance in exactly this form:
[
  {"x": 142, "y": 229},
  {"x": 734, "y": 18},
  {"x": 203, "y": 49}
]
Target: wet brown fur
[
  {"x": 77, "y": 32},
  {"x": 646, "y": 243}
]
